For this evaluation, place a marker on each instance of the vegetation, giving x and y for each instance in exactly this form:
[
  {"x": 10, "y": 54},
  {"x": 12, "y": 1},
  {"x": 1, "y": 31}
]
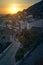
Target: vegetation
[
  {"x": 4, "y": 39},
  {"x": 28, "y": 41},
  {"x": 3, "y": 46}
]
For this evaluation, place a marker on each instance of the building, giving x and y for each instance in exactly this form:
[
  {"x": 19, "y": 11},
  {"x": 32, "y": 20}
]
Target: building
[
  {"x": 36, "y": 30},
  {"x": 38, "y": 24}
]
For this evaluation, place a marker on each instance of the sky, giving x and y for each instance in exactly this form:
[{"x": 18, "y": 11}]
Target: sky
[{"x": 13, "y": 6}]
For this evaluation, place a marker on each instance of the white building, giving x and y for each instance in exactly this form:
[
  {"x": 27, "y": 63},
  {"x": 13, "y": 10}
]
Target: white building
[
  {"x": 23, "y": 24},
  {"x": 38, "y": 23},
  {"x": 30, "y": 18}
]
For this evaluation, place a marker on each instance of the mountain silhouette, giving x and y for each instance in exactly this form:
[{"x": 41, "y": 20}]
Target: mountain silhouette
[{"x": 36, "y": 10}]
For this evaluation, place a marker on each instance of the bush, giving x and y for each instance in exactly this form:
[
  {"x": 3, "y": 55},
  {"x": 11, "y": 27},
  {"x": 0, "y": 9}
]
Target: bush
[
  {"x": 22, "y": 39},
  {"x": 28, "y": 40},
  {"x": 19, "y": 54}
]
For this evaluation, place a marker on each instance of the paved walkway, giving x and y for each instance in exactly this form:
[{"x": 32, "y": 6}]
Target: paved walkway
[{"x": 9, "y": 56}]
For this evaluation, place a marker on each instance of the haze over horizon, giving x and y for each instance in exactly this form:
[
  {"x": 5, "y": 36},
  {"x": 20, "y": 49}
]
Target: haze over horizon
[{"x": 13, "y": 6}]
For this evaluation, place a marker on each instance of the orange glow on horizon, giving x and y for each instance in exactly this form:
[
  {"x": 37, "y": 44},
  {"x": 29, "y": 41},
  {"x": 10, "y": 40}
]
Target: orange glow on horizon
[{"x": 12, "y": 8}]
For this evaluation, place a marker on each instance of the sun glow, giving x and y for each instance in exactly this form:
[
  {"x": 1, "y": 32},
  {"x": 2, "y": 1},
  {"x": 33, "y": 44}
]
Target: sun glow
[{"x": 13, "y": 10}]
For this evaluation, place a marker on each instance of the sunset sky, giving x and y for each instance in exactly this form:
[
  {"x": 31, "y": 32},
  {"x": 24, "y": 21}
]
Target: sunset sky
[{"x": 13, "y": 6}]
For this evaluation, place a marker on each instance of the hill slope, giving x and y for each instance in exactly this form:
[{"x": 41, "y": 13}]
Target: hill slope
[{"x": 36, "y": 10}]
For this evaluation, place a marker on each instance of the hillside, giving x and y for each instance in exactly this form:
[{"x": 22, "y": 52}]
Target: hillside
[{"x": 36, "y": 10}]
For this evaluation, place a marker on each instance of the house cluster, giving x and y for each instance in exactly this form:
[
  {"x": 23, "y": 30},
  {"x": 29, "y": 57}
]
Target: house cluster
[
  {"x": 29, "y": 23},
  {"x": 5, "y": 32},
  {"x": 18, "y": 24}
]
